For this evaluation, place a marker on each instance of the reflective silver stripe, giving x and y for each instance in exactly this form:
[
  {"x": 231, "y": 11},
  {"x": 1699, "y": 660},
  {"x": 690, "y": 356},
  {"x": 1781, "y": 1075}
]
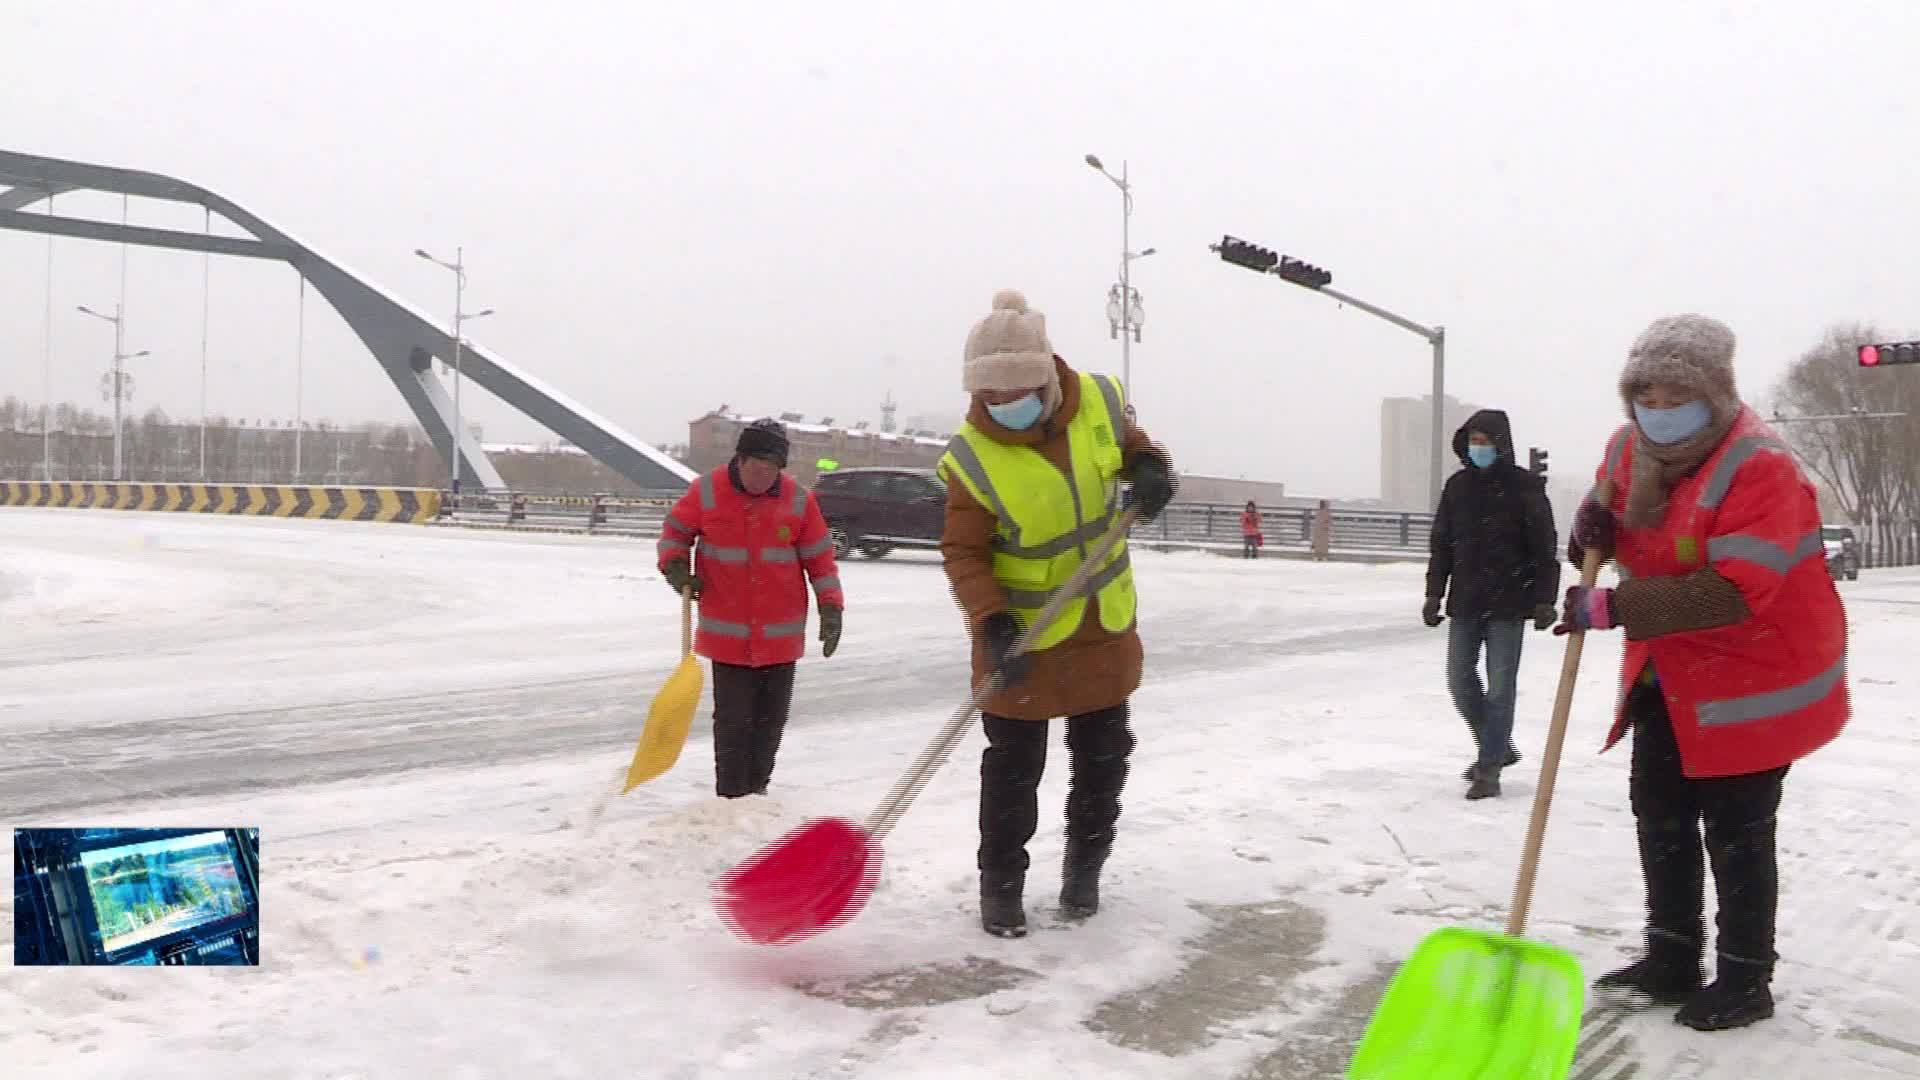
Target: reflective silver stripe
[
  {"x": 676, "y": 523},
  {"x": 1025, "y": 598},
  {"x": 817, "y": 548},
  {"x": 1110, "y": 389},
  {"x": 778, "y": 554},
  {"x": 722, "y": 554},
  {"x": 823, "y": 584},
  {"x": 1737, "y": 454},
  {"x": 723, "y": 628},
  {"x": 706, "y": 492},
  {"x": 668, "y": 545},
  {"x": 1776, "y": 703},
  {"x": 1091, "y": 530},
  {"x": 1764, "y": 553},
  {"x": 799, "y": 500},
  {"x": 969, "y": 462},
  {"x": 785, "y": 629}
]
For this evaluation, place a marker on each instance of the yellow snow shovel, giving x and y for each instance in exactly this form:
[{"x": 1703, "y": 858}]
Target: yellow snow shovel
[
  {"x": 1476, "y": 1005},
  {"x": 672, "y": 712}
]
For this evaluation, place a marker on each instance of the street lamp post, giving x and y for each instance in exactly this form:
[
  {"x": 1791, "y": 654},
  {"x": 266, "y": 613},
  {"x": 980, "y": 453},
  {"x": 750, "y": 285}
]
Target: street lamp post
[
  {"x": 120, "y": 356},
  {"x": 1123, "y": 301},
  {"x": 459, "y": 268}
]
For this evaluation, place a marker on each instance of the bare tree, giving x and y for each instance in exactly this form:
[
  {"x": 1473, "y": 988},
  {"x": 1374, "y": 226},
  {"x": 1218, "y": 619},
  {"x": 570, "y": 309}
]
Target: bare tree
[{"x": 1872, "y": 466}]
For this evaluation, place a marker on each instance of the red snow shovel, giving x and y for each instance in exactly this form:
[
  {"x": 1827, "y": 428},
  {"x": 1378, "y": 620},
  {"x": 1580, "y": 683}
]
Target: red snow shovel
[{"x": 820, "y": 874}]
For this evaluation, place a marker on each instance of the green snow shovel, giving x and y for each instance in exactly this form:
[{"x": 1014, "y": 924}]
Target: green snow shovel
[{"x": 1476, "y": 1005}]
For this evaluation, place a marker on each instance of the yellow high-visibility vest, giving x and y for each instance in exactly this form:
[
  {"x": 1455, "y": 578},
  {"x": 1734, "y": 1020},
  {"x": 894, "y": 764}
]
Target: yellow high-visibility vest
[{"x": 1046, "y": 521}]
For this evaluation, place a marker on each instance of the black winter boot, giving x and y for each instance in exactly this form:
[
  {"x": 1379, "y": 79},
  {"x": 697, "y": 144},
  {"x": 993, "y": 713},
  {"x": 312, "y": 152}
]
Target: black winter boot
[
  {"x": 1002, "y": 911},
  {"x": 1080, "y": 880},
  {"x": 1741, "y": 994},
  {"x": 1485, "y": 783},
  {"x": 1669, "y": 973},
  {"x": 1513, "y": 758}
]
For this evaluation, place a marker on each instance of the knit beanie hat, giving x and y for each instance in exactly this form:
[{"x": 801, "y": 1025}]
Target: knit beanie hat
[
  {"x": 763, "y": 438},
  {"x": 1009, "y": 350},
  {"x": 1684, "y": 350}
]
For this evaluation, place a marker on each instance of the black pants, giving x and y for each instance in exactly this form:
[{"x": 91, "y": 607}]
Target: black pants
[
  {"x": 1098, "y": 745},
  {"x": 1249, "y": 548},
  {"x": 1739, "y": 817},
  {"x": 750, "y": 708}
]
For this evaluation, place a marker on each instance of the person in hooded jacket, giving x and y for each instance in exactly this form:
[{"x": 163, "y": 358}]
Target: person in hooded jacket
[
  {"x": 1494, "y": 562},
  {"x": 1250, "y": 535},
  {"x": 1032, "y": 484},
  {"x": 1735, "y": 662}
]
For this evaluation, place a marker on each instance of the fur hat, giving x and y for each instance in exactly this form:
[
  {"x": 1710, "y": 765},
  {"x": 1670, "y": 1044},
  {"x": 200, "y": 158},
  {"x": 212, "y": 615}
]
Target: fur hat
[
  {"x": 763, "y": 438},
  {"x": 1008, "y": 350},
  {"x": 1685, "y": 350}
]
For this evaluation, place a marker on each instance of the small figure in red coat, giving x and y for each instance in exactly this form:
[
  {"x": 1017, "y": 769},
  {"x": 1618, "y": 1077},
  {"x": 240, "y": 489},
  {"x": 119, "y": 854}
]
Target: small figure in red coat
[
  {"x": 1250, "y": 537},
  {"x": 759, "y": 539},
  {"x": 1735, "y": 662}
]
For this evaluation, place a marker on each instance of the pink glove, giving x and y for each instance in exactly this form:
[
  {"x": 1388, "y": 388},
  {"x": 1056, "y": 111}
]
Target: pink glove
[{"x": 1586, "y": 609}]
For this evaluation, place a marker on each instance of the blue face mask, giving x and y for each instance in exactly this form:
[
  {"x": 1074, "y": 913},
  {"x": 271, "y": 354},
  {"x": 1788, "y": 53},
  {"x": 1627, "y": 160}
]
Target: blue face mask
[
  {"x": 1483, "y": 456},
  {"x": 1018, "y": 414},
  {"x": 1664, "y": 427}
]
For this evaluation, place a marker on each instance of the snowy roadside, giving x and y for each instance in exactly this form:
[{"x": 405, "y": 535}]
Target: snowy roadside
[{"x": 1292, "y": 828}]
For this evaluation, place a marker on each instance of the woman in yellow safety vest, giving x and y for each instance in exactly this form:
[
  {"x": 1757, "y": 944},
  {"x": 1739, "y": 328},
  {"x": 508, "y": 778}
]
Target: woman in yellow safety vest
[{"x": 1032, "y": 479}]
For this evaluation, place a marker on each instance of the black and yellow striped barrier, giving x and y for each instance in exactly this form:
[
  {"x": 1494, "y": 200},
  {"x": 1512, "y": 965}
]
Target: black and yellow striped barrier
[{"x": 411, "y": 505}]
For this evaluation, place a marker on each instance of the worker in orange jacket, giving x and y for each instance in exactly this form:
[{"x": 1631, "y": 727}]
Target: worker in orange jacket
[{"x": 759, "y": 540}]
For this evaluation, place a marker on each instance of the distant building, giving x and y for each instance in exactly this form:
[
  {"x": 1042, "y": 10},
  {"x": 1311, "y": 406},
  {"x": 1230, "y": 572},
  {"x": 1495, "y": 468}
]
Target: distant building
[
  {"x": 1406, "y": 452},
  {"x": 711, "y": 439},
  {"x": 1228, "y": 490}
]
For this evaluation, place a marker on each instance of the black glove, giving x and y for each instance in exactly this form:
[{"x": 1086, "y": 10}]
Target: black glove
[
  {"x": 680, "y": 576},
  {"x": 1152, "y": 484},
  {"x": 999, "y": 632},
  {"x": 1431, "y": 613},
  {"x": 1545, "y": 615},
  {"x": 830, "y": 623}
]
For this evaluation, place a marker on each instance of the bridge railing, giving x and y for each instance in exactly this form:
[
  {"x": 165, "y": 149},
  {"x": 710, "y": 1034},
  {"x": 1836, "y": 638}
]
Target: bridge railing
[{"x": 1183, "y": 525}]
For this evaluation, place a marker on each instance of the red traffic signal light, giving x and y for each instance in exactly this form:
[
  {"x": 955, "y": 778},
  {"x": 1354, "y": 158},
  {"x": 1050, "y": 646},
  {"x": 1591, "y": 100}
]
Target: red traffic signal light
[{"x": 1888, "y": 353}]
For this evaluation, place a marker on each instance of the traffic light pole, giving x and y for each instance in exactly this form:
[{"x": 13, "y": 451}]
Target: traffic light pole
[
  {"x": 1261, "y": 260},
  {"x": 1437, "y": 337}
]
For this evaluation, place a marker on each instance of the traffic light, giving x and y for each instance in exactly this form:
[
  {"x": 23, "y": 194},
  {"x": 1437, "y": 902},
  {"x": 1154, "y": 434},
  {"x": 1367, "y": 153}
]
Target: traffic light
[
  {"x": 1899, "y": 352},
  {"x": 1304, "y": 274},
  {"x": 1240, "y": 253},
  {"x": 1536, "y": 461}
]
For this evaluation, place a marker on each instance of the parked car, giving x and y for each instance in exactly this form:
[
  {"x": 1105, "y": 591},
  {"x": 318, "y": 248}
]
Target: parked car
[
  {"x": 1842, "y": 551},
  {"x": 874, "y": 510}
]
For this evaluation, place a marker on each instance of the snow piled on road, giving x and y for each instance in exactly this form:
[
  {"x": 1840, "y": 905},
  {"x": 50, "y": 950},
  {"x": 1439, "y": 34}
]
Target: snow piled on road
[{"x": 1292, "y": 828}]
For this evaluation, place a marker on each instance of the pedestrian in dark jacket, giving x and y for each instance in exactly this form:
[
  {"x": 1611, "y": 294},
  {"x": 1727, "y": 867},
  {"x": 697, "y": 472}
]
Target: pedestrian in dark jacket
[
  {"x": 1495, "y": 561},
  {"x": 1735, "y": 664}
]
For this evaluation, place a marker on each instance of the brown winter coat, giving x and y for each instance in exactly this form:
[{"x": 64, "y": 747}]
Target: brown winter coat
[{"x": 1089, "y": 671}]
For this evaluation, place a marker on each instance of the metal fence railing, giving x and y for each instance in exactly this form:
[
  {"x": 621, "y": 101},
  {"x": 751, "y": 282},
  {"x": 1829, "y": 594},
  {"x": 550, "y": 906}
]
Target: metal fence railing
[{"x": 1189, "y": 525}]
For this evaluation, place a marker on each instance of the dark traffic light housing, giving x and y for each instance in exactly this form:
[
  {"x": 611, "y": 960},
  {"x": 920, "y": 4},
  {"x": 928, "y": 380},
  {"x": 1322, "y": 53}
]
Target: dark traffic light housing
[
  {"x": 1899, "y": 352},
  {"x": 1241, "y": 253},
  {"x": 1304, "y": 274},
  {"x": 1262, "y": 261},
  {"x": 1536, "y": 461}
]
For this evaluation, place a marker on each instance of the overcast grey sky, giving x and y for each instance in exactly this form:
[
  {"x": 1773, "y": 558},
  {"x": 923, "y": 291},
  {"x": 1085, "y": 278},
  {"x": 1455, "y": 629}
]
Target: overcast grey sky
[{"x": 800, "y": 207}]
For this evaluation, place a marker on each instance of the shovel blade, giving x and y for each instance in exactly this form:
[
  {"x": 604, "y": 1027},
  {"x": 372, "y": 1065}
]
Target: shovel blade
[
  {"x": 668, "y": 721},
  {"x": 1475, "y": 1005}
]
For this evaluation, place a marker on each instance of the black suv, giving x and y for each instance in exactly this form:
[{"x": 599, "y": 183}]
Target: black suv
[{"x": 874, "y": 510}]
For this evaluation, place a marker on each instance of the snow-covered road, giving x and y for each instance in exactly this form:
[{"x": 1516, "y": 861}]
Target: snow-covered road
[{"x": 418, "y": 721}]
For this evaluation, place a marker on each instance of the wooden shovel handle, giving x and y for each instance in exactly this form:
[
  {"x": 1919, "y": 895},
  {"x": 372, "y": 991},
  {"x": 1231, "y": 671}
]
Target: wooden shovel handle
[{"x": 1556, "y": 739}]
